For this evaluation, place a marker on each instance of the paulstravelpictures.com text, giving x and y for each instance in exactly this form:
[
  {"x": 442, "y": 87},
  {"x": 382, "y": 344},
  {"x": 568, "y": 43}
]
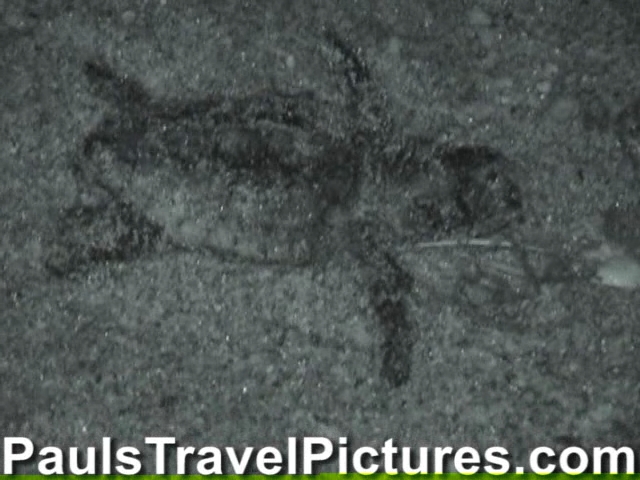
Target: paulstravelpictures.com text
[{"x": 307, "y": 455}]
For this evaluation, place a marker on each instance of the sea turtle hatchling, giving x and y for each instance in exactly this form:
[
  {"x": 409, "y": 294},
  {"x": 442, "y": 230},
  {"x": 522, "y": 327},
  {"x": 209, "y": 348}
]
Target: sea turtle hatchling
[{"x": 277, "y": 177}]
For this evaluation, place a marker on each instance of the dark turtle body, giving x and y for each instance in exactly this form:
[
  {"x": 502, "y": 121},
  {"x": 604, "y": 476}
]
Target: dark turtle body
[{"x": 273, "y": 177}]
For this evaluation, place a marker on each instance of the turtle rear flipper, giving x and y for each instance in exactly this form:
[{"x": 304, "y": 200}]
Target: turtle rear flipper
[{"x": 113, "y": 87}]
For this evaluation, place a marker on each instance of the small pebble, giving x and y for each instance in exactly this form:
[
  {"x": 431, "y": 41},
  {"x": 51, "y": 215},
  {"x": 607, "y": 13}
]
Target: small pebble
[
  {"x": 290, "y": 62},
  {"x": 478, "y": 17},
  {"x": 128, "y": 17},
  {"x": 544, "y": 87},
  {"x": 620, "y": 272},
  {"x": 503, "y": 83},
  {"x": 563, "y": 110}
]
